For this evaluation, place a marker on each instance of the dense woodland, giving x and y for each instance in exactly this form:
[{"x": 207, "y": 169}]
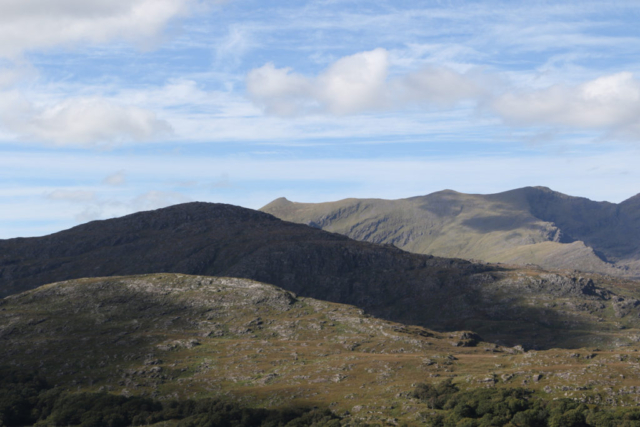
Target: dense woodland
[
  {"x": 487, "y": 407},
  {"x": 28, "y": 399}
]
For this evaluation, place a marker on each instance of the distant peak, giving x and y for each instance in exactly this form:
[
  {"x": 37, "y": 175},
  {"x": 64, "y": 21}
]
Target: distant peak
[{"x": 280, "y": 202}]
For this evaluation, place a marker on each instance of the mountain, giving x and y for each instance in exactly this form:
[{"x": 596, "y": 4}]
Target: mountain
[
  {"x": 173, "y": 336},
  {"x": 508, "y": 306},
  {"x": 532, "y": 225},
  {"x": 217, "y": 239}
]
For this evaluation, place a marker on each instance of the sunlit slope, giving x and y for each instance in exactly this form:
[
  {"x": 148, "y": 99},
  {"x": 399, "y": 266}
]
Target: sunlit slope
[
  {"x": 177, "y": 336},
  {"x": 528, "y": 225}
]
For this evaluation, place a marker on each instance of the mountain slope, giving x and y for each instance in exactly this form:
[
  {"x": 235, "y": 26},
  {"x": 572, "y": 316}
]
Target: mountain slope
[
  {"x": 529, "y": 225},
  {"x": 527, "y": 307},
  {"x": 176, "y": 336},
  {"x": 215, "y": 239}
]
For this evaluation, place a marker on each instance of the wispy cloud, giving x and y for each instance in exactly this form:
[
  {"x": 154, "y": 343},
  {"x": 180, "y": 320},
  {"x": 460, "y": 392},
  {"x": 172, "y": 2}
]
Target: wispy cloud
[
  {"x": 233, "y": 46},
  {"x": 71, "y": 195},
  {"x": 116, "y": 179},
  {"x": 110, "y": 207}
]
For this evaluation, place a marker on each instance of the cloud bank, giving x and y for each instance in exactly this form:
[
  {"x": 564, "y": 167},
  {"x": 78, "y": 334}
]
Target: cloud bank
[
  {"x": 32, "y": 25},
  {"x": 611, "y": 103},
  {"x": 37, "y": 24},
  {"x": 85, "y": 122},
  {"x": 356, "y": 84},
  {"x": 361, "y": 83}
]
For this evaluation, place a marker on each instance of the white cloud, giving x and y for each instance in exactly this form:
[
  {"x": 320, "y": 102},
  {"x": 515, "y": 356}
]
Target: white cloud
[
  {"x": 441, "y": 86},
  {"x": 116, "y": 179},
  {"x": 79, "y": 121},
  {"x": 279, "y": 91},
  {"x": 36, "y": 24},
  {"x": 355, "y": 84},
  {"x": 610, "y": 103},
  {"x": 10, "y": 74},
  {"x": 362, "y": 83}
]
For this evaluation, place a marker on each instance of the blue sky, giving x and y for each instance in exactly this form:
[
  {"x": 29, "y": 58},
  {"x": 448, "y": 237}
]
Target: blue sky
[{"x": 109, "y": 107}]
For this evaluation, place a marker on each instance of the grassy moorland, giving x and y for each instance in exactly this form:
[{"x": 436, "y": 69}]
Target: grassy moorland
[{"x": 177, "y": 337}]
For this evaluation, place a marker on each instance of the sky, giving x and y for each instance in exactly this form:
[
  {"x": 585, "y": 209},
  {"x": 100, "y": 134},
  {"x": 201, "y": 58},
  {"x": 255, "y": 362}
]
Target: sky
[{"x": 109, "y": 107}]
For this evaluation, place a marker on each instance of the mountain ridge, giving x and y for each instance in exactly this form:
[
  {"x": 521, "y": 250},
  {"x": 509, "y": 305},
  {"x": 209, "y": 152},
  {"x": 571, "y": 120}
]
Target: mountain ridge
[
  {"x": 505, "y": 305},
  {"x": 500, "y": 227}
]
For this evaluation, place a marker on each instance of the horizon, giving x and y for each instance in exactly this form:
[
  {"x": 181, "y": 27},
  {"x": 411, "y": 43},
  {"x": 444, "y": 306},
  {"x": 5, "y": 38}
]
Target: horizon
[
  {"x": 295, "y": 201},
  {"x": 111, "y": 108}
]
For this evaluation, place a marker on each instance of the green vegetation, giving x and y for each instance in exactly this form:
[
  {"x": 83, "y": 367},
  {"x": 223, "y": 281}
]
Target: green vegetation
[
  {"x": 532, "y": 225},
  {"x": 486, "y": 407},
  {"x": 27, "y": 399},
  {"x": 201, "y": 339},
  {"x": 526, "y": 307}
]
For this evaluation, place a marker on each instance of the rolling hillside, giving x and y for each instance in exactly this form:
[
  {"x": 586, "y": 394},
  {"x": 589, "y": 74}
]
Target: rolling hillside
[{"x": 172, "y": 336}]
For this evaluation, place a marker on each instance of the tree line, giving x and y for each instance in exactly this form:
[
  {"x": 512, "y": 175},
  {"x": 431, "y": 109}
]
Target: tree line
[
  {"x": 28, "y": 399},
  {"x": 514, "y": 407}
]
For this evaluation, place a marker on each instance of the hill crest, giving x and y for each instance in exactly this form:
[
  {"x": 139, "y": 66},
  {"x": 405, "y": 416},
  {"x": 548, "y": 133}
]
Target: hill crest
[{"x": 555, "y": 229}]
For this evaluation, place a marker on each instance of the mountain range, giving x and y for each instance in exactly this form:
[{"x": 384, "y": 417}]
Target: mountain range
[
  {"x": 219, "y": 309},
  {"x": 509, "y": 306},
  {"x": 532, "y": 225}
]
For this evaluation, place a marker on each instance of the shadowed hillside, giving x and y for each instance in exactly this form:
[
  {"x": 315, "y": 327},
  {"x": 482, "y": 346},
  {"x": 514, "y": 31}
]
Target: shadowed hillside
[
  {"x": 531, "y": 225},
  {"x": 217, "y": 239},
  {"x": 528, "y": 307}
]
